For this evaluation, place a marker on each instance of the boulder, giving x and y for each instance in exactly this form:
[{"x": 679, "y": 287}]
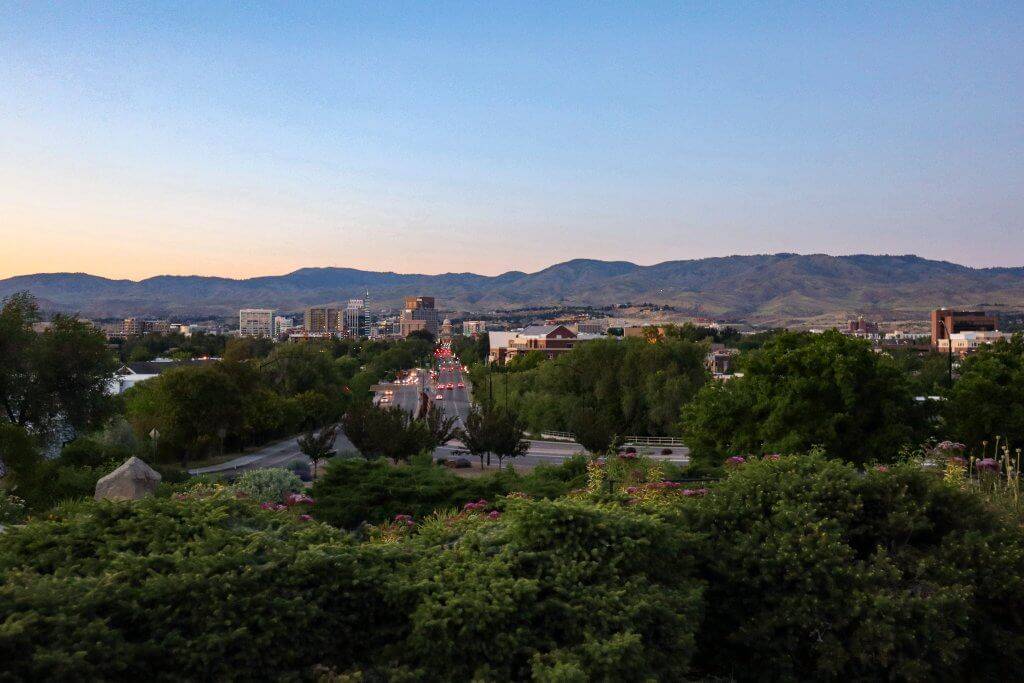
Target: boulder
[{"x": 131, "y": 481}]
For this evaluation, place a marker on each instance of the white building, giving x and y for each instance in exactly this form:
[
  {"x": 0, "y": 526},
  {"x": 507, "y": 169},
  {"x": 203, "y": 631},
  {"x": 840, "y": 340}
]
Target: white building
[
  {"x": 256, "y": 322},
  {"x": 282, "y": 324},
  {"x": 966, "y": 342}
]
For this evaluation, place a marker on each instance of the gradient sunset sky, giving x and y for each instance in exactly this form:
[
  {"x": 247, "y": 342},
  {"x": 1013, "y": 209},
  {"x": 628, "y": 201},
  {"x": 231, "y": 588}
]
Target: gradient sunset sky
[{"x": 245, "y": 139}]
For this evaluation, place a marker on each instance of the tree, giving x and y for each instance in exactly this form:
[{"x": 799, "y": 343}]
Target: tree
[
  {"x": 191, "y": 406},
  {"x": 384, "y": 432},
  {"x": 803, "y": 390},
  {"x": 507, "y": 437},
  {"x": 439, "y": 429},
  {"x": 318, "y": 446},
  {"x": 56, "y": 381},
  {"x": 478, "y": 432},
  {"x": 988, "y": 398},
  {"x": 593, "y": 430}
]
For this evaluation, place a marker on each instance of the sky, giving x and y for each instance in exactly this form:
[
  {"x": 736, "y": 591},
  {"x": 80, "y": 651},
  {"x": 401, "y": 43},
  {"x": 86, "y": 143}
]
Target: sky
[{"x": 242, "y": 139}]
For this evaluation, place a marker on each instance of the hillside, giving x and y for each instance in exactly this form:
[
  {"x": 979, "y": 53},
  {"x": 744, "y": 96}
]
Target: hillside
[{"x": 769, "y": 288}]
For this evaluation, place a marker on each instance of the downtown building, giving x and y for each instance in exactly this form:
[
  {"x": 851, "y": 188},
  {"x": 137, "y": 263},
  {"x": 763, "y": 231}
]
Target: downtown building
[
  {"x": 946, "y": 322},
  {"x": 322, "y": 320},
  {"x": 356, "y": 319},
  {"x": 550, "y": 340},
  {"x": 419, "y": 314},
  {"x": 258, "y": 323}
]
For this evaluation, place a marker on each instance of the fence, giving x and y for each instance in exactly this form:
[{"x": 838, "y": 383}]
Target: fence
[{"x": 627, "y": 440}]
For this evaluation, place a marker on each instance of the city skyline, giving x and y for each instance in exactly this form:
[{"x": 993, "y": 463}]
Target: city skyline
[{"x": 238, "y": 142}]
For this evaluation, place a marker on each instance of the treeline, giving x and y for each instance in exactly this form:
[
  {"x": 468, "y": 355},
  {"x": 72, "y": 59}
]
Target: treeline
[
  {"x": 55, "y": 400},
  {"x": 602, "y": 388},
  {"x": 248, "y": 398},
  {"x": 793, "y": 391}
]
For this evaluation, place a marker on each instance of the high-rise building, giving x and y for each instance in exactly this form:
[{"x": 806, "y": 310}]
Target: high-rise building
[
  {"x": 356, "y": 320},
  {"x": 471, "y": 327},
  {"x": 419, "y": 314},
  {"x": 133, "y": 327},
  {"x": 946, "y": 321},
  {"x": 323, "y": 319},
  {"x": 256, "y": 322}
]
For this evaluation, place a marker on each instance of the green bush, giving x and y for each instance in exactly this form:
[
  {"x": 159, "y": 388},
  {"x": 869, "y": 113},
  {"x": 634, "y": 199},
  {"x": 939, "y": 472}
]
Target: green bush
[
  {"x": 350, "y": 492},
  {"x": 12, "y": 508},
  {"x": 86, "y": 452},
  {"x": 815, "y": 572},
  {"x": 270, "y": 484},
  {"x": 558, "y": 587},
  {"x": 195, "y": 590},
  {"x": 799, "y": 568}
]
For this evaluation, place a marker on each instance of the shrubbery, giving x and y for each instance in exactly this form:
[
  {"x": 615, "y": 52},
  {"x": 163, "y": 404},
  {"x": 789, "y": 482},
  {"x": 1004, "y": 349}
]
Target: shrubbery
[
  {"x": 269, "y": 484},
  {"x": 790, "y": 568},
  {"x": 350, "y": 492}
]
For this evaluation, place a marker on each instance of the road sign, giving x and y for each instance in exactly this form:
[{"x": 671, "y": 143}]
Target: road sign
[{"x": 153, "y": 434}]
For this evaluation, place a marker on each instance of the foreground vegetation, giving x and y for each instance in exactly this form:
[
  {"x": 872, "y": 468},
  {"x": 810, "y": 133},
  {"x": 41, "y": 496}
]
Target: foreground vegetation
[{"x": 790, "y": 568}]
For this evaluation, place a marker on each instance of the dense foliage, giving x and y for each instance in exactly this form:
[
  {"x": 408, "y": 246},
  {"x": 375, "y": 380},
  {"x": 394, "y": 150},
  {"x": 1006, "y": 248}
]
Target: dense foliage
[
  {"x": 987, "y": 400},
  {"x": 613, "y": 386},
  {"x": 248, "y": 399},
  {"x": 805, "y": 390},
  {"x": 792, "y": 568},
  {"x": 53, "y": 383},
  {"x": 350, "y": 492}
]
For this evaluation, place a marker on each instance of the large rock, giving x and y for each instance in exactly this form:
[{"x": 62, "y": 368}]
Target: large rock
[{"x": 131, "y": 481}]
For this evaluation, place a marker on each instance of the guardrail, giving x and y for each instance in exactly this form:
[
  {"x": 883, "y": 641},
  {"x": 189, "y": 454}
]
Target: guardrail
[{"x": 627, "y": 440}]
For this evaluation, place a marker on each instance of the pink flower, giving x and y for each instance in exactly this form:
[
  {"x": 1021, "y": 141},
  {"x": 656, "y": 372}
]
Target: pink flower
[
  {"x": 305, "y": 518},
  {"x": 631, "y": 490},
  {"x": 987, "y": 464},
  {"x": 881, "y": 468},
  {"x": 494, "y": 514},
  {"x": 266, "y": 506},
  {"x": 298, "y": 499},
  {"x": 735, "y": 460},
  {"x": 773, "y": 457},
  {"x": 403, "y": 518}
]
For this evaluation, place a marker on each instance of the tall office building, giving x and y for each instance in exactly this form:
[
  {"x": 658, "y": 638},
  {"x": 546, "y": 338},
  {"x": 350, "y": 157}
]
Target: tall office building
[
  {"x": 256, "y": 322},
  {"x": 356, "y": 320},
  {"x": 419, "y": 314},
  {"x": 323, "y": 319}
]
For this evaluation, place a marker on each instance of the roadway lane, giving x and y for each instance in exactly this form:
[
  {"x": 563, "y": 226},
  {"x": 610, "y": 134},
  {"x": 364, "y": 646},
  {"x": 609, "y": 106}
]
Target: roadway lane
[{"x": 455, "y": 402}]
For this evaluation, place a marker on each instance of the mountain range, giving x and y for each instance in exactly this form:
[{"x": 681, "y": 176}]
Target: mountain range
[{"x": 773, "y": 288}]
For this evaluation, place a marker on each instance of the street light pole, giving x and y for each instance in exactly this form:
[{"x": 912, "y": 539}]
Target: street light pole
[{"x": 949, "y": 346}]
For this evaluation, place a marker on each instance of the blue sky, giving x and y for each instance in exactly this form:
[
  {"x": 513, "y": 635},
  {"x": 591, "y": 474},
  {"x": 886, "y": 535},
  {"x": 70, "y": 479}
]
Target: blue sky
[{"x": 241, "y": 139}]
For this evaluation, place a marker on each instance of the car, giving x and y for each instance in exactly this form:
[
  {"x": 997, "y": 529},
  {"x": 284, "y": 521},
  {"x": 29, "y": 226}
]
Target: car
[
  {"x": 461, "y": 385},
  {"x": 439, "y": 397}
]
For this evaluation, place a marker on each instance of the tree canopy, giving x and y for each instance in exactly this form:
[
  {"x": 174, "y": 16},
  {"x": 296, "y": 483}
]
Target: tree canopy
[
  {"x": 987, "y": 401},
  {"x": 803, "y": 390},
  {"x": 55, "y": 383}
]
